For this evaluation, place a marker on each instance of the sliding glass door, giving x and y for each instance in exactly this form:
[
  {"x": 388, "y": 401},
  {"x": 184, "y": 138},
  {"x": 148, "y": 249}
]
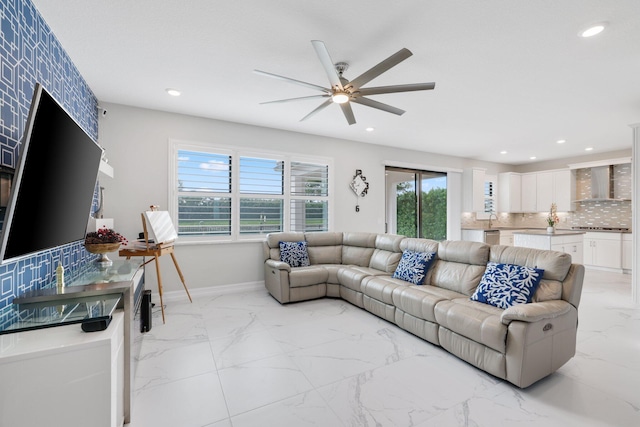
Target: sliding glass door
[{"x": 416, "y": 203}]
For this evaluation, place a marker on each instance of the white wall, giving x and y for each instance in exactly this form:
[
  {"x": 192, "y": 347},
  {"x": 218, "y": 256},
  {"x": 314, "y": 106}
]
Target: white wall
[{"x": 136, "y": 144}]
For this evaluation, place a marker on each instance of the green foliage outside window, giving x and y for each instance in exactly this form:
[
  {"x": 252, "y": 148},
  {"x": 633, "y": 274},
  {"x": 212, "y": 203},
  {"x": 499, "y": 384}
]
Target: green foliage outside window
[{"x": 434, "y": 213}]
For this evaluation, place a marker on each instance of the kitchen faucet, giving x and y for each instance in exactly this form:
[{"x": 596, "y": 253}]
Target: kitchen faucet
[{"x": 490, "y": 215}]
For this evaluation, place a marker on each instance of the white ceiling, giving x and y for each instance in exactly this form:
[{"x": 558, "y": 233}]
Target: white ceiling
[{"x": 510, "y": 74}]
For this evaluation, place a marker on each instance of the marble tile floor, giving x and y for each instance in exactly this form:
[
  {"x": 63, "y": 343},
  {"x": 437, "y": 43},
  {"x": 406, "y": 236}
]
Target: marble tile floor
[{"x": 244, "y": 360}]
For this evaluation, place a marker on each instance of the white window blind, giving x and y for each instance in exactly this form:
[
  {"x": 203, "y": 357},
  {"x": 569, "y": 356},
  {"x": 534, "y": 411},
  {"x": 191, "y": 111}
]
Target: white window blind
[
  {"x": 259, "y": 214},
  {"x": 204, "y": 193},
  {"x": 309, "y": 194},
  {"x": 228, "y": 193}
]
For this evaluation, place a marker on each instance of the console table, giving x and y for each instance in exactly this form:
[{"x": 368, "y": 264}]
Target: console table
[{"x": 64, "y": 369}]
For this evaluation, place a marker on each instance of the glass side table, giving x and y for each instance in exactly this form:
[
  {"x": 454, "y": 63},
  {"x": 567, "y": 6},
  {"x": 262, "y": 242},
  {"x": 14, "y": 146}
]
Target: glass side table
[{"x": 95, "y": 311}]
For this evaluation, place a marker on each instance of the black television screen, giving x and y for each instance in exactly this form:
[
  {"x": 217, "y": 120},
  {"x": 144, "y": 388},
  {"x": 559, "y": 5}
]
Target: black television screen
[{"x": 54, "y": 183}]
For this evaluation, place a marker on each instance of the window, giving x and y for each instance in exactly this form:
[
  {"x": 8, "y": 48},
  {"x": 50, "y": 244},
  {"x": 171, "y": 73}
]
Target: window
[
  {"x": 309, "y": 192},
  {"x": 261, "y": 191},
  {"x": 204, "y": 193},
  {"x": 412, "y": 216},
  {"x": 222, "y": 194}
]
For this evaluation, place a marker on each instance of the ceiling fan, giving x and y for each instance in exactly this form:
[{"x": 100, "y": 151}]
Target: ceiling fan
[{"x": 343, "y": 91}]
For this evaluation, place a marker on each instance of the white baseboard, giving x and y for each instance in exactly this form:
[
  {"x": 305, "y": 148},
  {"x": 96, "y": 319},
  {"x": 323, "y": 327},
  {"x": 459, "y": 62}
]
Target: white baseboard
[{"x": 213, "y": 290}]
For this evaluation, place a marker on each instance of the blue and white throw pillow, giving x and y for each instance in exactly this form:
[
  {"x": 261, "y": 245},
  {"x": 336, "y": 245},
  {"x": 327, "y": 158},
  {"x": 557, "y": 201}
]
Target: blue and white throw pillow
[
  {"x": 413, "y": 266},
  {"x": 294, "y": 253},
  {"x": 505, "y": 285}
]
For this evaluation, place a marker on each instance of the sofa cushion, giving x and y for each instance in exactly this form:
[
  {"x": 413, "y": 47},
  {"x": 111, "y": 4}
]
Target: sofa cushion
[
  {"x": 381, "y": 288},
  {"x": 413, "y": 266},
  {"x": 505, "y": 285},
  {"x": 479, "y": 322},
  {"x": 307, "y": 276},
  {"x": 333, "y": 269},
  {"x": 351, "y": 276},
  {"x": 294, "y": 253},
  {"x": 357, "y": 248},
  {"x": 459, "y": 266},
  {"x": 420, "y": 301},
  {"x": 324, "y": 247},
  {"x": 555, "y": 264}
]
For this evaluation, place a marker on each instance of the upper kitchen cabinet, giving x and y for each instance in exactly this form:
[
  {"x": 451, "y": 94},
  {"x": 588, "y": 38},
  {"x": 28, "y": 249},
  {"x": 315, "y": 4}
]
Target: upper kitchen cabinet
[
  {"x": 529, "y": 192},
  {"x": 473, "y": 190},
  {"x": 544, "y": 191},
  {"x": 510, "y": 192},
  {"x": 479, "y": 193},
  {"x": 540, "y": 189},
  {"x": 564, "y": 188}
]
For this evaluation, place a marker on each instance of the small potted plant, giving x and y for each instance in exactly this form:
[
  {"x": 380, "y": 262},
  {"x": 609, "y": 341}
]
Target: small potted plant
[
  {"x": 552, "y": 218},
  {"x": 103, "y": 241}
]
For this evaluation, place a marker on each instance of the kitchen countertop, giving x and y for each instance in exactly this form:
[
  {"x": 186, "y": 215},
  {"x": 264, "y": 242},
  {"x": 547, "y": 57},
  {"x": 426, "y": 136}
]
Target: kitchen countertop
[{"x": 544, "y": 232}]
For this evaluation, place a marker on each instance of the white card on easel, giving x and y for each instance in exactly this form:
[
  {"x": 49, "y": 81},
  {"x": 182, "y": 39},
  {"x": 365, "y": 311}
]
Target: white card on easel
[{"x": 161, "y": 226}]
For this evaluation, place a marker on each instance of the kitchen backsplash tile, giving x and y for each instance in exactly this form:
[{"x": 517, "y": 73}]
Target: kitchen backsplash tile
[{"x": 604, "y": 213}]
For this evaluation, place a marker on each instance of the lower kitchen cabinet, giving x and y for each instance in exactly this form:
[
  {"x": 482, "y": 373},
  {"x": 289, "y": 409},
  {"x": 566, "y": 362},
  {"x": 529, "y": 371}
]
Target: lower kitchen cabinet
[
  {"x": 561, "y": 241},
  {"x": 603, "y": 249},
  {"x": 627, "y": 251}
]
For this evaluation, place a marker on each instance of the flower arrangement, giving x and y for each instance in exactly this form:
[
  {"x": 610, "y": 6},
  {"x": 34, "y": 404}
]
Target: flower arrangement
[
  {"x": 104, "y": 235},
  {"x": 552, "y": 218}
]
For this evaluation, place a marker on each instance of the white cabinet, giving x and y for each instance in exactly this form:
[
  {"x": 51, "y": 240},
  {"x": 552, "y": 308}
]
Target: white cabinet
[
  {"x": 475, "y": 235},
  {"x": 564, "y": 189},
  {"x": 567, "y": 243},
  {"x": 544, "y": 191},
  {"x": 509, "y": 192},
  {"x": 627, "y": 251},
  {"x": 506, "y": 237},
  {"x": 473, "y": 190},
  {"x": 603, "y": 250},
  {"x": 572, "y": 245},
  {"x": 63, "y": 377},
  {"x": 529, "y": 192},
  {"x": 538, "y": 190}
]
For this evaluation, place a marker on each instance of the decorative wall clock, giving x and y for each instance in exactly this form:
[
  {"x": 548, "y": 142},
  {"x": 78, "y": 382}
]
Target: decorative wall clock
[{"x": 359, "y": 185}]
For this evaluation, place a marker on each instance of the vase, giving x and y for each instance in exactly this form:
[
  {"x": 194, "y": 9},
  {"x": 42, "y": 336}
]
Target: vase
[
  {"x": 102, "y": 249},
  {"x": 551, "y": 230}
]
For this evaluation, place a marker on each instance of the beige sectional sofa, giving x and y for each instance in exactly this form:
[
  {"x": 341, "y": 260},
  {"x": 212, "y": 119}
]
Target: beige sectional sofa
[{"x": 520, "y": 344}]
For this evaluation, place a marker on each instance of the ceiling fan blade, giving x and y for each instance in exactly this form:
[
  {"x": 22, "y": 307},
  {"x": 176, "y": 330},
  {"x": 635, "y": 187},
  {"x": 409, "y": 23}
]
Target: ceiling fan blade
[
  {"x": 395, "y": 88},
  {"x": 295, "y": 99},
  {"x": 320, "y": 107},
  {"x": 379, "y": 105},
  {"x": 376, "y": 70},
  {"x": 289, "y": 80},
  {"x": 327, "y": 63},
  {"x": 348, "y": 113}
]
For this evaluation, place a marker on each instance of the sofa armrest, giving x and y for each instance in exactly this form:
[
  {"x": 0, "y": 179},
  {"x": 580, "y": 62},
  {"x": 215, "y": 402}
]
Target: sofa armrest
[
  {"x": 536, "y": 311},
  {"x": 278, "y": 265}
]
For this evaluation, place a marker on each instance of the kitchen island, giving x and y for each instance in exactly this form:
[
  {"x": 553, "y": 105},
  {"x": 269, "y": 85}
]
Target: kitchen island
[{"x": 568, "y": 241}]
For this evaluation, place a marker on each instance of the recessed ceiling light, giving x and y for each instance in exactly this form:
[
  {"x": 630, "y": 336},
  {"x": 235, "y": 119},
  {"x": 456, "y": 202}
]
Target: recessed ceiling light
[
  {"x": 532, "y": 158},
  {"x": 588, "y": 149},
  {"x": 503, "y": 152},
  {"x": 593, "y": 30},
  {"x": 173, "y": 92},
  {"x": 561, "y": 141},
  {"x": 370, "y": 129}
]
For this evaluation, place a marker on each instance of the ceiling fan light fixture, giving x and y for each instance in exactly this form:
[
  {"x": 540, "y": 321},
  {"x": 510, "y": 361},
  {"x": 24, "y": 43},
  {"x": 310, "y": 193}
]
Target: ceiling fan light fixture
[{"x": 340, "y": 97}]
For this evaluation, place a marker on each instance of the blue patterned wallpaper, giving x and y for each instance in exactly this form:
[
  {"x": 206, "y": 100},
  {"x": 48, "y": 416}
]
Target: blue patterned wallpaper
[{"x": 30, "y": 53}]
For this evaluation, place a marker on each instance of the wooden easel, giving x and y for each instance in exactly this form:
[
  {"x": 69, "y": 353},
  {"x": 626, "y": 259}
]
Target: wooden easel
[{"x": 155, "y": 250}]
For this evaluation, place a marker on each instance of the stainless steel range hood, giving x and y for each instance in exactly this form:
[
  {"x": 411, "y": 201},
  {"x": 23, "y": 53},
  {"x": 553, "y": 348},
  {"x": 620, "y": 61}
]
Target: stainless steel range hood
[{"x": 602, "y": 187}]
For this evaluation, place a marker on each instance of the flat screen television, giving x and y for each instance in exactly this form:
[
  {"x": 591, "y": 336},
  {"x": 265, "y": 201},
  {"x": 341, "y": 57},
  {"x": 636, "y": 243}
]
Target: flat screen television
[{"x": 54, "y": 182}]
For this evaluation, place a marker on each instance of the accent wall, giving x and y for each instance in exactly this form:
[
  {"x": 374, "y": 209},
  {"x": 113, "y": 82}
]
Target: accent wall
[{"x": 30, "y": 53}]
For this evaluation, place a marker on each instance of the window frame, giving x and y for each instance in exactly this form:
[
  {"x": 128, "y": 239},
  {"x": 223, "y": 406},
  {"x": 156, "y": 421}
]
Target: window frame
[{"x": 236, "y": 152}]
